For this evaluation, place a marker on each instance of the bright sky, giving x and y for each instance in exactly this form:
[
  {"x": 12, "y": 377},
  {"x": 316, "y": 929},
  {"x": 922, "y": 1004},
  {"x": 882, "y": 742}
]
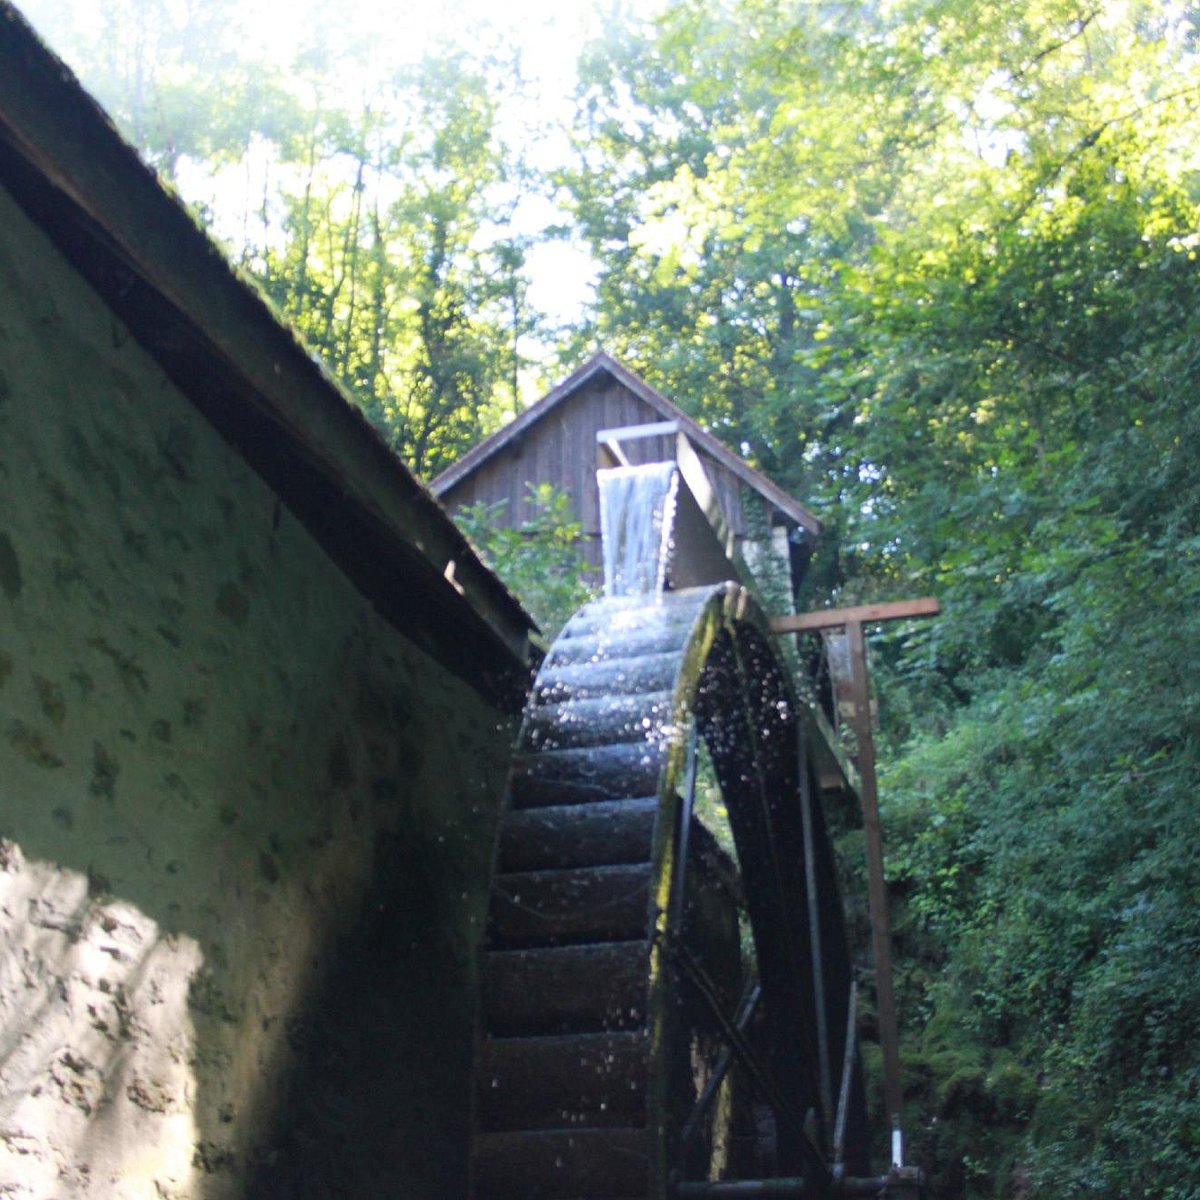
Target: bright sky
[{"x": 548, "y": 34}]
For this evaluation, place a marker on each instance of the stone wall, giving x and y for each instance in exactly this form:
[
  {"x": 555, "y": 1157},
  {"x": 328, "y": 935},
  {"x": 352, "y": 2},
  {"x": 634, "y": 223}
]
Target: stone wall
[{"x": 209, "y": 748}]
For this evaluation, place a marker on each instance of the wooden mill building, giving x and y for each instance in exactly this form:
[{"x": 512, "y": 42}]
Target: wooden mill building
[{"x": 556, "y": 441}]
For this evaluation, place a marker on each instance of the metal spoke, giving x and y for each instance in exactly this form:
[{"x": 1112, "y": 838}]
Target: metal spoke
[
  {"x": 743, "y": 1017},
  {"x": 745, "y": 1052}
]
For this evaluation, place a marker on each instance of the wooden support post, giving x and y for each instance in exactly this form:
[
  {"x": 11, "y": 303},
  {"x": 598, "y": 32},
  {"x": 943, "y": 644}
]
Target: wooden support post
[
  {"x": 881, "y": 934},
  {"x": 852, "y": 619}
]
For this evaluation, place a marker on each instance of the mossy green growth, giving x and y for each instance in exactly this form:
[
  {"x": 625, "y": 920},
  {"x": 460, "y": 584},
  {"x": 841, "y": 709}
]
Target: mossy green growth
[{"x": 968, "y": 1107}]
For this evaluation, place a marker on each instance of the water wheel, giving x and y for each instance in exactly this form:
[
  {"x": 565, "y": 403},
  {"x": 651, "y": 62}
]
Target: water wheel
[{"x": 656, "y": 1012}]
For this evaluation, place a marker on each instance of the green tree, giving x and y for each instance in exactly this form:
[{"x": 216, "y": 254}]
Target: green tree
[
  {"x": 986, "y": 219},
  {"x": 374, "y": 213},
  {"x": 175, "y": 78},
  {"x": 392, "y": 264}
]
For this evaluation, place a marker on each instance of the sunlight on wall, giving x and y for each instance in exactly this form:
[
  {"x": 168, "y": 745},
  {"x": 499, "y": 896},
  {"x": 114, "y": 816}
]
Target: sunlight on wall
[{"x": 97, "y": 1092}]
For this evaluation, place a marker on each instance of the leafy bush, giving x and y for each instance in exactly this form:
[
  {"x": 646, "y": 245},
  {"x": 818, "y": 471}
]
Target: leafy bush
[{"x": 538, "y": 560}]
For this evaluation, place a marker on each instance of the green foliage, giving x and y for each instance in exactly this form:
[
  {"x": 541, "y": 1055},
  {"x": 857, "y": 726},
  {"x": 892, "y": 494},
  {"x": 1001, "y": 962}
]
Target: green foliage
[
  {"x": 1046, "y": 849},
  {"x": 382, "y": 268},
  {"x": 1045, "y": 841},
  {"x": 152, "y": 65},
  {"x": 936, "y": 266},
  {"x": 538, "y": 560},
  {"x": 374, "y": 216}
]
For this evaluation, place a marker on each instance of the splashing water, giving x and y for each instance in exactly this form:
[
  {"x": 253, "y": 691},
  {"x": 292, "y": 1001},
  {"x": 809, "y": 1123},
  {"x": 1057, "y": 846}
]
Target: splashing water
[{"x": 637, "y": 513}]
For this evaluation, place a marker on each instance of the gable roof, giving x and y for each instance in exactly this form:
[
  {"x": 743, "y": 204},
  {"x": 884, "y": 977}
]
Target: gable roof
[
  {"x": 224, "y": 349},
  {"x": 605, "y": 363}
]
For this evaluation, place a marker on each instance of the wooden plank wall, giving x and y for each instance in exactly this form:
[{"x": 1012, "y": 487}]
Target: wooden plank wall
[{"x": 561, "y": 449}]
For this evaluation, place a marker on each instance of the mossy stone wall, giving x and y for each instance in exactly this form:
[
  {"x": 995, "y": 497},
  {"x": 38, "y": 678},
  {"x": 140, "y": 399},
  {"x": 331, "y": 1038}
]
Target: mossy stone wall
[{"x": 210, "y": 747}]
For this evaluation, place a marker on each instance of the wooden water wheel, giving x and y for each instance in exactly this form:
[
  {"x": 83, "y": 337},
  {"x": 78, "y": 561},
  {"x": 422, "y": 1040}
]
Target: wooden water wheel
[{"x": 656, "y": 1014}]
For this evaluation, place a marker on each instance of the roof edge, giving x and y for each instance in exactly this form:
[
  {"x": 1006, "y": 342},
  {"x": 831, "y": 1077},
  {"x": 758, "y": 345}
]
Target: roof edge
[
  {"x": 223, "y": 347},
  {"x": 494, "y": 442}
]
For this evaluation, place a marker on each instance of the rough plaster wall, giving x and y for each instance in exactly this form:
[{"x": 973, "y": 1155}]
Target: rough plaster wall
[{"x": 205, "y": 735}]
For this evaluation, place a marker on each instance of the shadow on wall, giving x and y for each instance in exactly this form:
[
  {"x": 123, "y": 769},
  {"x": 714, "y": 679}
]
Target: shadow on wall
[
  {"x": 141, "y": 1057},
  {"x": 98, "y": 1042},
  {"x": 393, "y": 1015}
]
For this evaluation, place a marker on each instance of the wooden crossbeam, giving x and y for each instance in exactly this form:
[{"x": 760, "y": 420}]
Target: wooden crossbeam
[{"x": 831, "y": 618}]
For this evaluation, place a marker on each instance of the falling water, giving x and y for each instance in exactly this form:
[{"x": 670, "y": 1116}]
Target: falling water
[{"x": 637, "y": 513}]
